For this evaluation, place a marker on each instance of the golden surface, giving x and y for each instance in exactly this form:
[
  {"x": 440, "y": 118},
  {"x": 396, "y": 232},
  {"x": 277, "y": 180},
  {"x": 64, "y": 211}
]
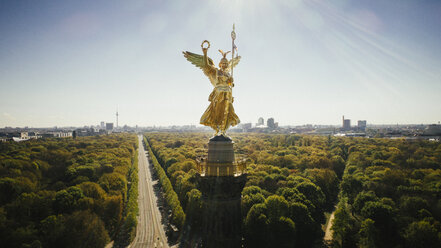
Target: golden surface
[
  {"x": 235, "y": 168},
  {"x": 220, "y": 113}
]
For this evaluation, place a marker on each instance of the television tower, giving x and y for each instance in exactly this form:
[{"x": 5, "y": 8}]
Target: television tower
[{"x": 116, "y": 117}]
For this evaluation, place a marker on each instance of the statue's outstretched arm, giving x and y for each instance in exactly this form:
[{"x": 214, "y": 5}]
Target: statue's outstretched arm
[{"x": 208, "y": 66}]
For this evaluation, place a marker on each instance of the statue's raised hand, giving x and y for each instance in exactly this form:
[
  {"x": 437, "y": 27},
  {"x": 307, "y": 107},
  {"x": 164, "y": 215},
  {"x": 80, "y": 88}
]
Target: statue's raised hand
[{"x": 205, "y": 49}]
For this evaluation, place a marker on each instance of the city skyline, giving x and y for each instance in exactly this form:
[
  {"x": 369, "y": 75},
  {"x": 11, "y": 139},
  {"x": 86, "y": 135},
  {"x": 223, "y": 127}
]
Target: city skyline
[{"x": 72, "y": 64}]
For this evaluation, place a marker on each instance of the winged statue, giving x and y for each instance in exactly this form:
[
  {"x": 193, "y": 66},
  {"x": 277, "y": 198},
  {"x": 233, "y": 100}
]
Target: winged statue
[{"x": 220, "y": 113}]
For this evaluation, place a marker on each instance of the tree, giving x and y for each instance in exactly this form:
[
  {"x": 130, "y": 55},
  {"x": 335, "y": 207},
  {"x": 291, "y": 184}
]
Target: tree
[
  {"x": 276, "y": 207},
  {"x": 194, "y": 208},
  {"x": 251, "y": 190},
  {"x": 306, "y": 228},
  {"x": 113, "y": 182},
  {"x": 350, "y": 186},
  {"x": 338, "y": 165},
  {"x": 411, "y": 206},
  {"x": 52, "y": 229},
  {"x": 256, "y": 226},
  {"x": 85, "y": 229},
  {"x": 112, "y": 214},
  {"x": 93, "y": 190},
  {"x": 422, "y": 234},
  {"x": 361, "y": 199},
  {"x": 283, "y": 232},
  {"x": 344, "y": 226},
  {"x": 328, "y": 182},
  {"x": 250, "y": 200},
  {"x": 367, "y": 234},
  {"x": 315, "y": 195},
  {"x": 383, "y": 217},
  {"x": 66, "y": 201},
  {"x": 31, "y": 206},
  {"x": 380, "y": 213},
  {"x": 10, "y": 188}
]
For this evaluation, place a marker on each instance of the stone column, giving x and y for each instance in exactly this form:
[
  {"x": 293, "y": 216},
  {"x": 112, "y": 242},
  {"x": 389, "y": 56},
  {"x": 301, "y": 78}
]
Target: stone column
[
  {"x": 221, "y": 213},
  {"x": 221, "y": 187}
]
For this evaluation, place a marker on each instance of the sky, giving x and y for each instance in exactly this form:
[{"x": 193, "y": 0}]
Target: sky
[{"x": 75, "y": 62}]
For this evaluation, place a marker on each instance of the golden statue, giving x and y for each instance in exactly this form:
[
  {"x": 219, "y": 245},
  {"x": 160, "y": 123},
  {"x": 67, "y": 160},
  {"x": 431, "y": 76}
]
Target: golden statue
[{"x": 220, "y": 113}]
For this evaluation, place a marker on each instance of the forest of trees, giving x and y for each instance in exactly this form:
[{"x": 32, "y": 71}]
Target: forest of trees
[
  {"x": 388, "y": 192},
  {"x": 390, "y": 195},
  {"x": 68, "y": 192},
  {"x": 83, "y": 192}
]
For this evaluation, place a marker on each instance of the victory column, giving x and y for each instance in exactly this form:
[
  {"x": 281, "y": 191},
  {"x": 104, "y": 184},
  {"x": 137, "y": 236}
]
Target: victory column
[{"x": 221, "y": 177}]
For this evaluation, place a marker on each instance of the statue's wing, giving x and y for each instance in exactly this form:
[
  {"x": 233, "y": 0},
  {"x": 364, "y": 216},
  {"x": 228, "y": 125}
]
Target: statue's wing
[
  {"x": 234, "y": 62},
  {"x": 198, "y": 60}
]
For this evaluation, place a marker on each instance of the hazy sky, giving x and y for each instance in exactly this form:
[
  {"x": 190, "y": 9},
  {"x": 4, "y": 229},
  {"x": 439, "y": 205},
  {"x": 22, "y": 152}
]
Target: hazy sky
[{"x": 74, "y": 62}]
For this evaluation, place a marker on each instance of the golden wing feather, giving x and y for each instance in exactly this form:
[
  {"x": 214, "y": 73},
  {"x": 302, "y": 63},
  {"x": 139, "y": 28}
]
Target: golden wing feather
[
  {"x": 234, "y": 62},
  {"x": 198, "y": 61}
]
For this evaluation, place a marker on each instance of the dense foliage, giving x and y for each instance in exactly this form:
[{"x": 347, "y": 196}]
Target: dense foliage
[
  {"x": 67, "y": 192},
  {"x": 292, "y": 181},
  {"x": 390, "y": 195}
]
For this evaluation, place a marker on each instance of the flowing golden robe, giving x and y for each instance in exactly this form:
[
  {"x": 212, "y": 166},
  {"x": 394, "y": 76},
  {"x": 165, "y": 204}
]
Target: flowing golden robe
[{"x": 220, "y": 113}]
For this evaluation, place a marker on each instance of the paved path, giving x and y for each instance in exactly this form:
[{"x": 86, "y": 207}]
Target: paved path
[
  {"x": 328, "y": 232},
  {"x": 150, "y": 231}
]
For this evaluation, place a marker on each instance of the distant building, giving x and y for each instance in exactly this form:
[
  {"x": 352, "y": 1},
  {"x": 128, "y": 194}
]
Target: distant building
[
  {"x": 81, "y": 132},
  {"x": 433, "y": 129},
  {"x": 63, "y": 134},
  {"x": 56, "y": 134},
  {"x": 116, "y": 118},
  {"x": 103, "y": 125},
  {"x": 270, "y": 123},
  {"x": 109, "y": 126},
  {"x": 260, "y": 122},
  {"x": 346, "y": 124},
  {"x": 22, "y": 137},
  {"x": 362, "y": 125}
]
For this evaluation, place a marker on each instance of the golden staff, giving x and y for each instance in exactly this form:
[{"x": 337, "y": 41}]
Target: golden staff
[{"x": 233, "y": 37}]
